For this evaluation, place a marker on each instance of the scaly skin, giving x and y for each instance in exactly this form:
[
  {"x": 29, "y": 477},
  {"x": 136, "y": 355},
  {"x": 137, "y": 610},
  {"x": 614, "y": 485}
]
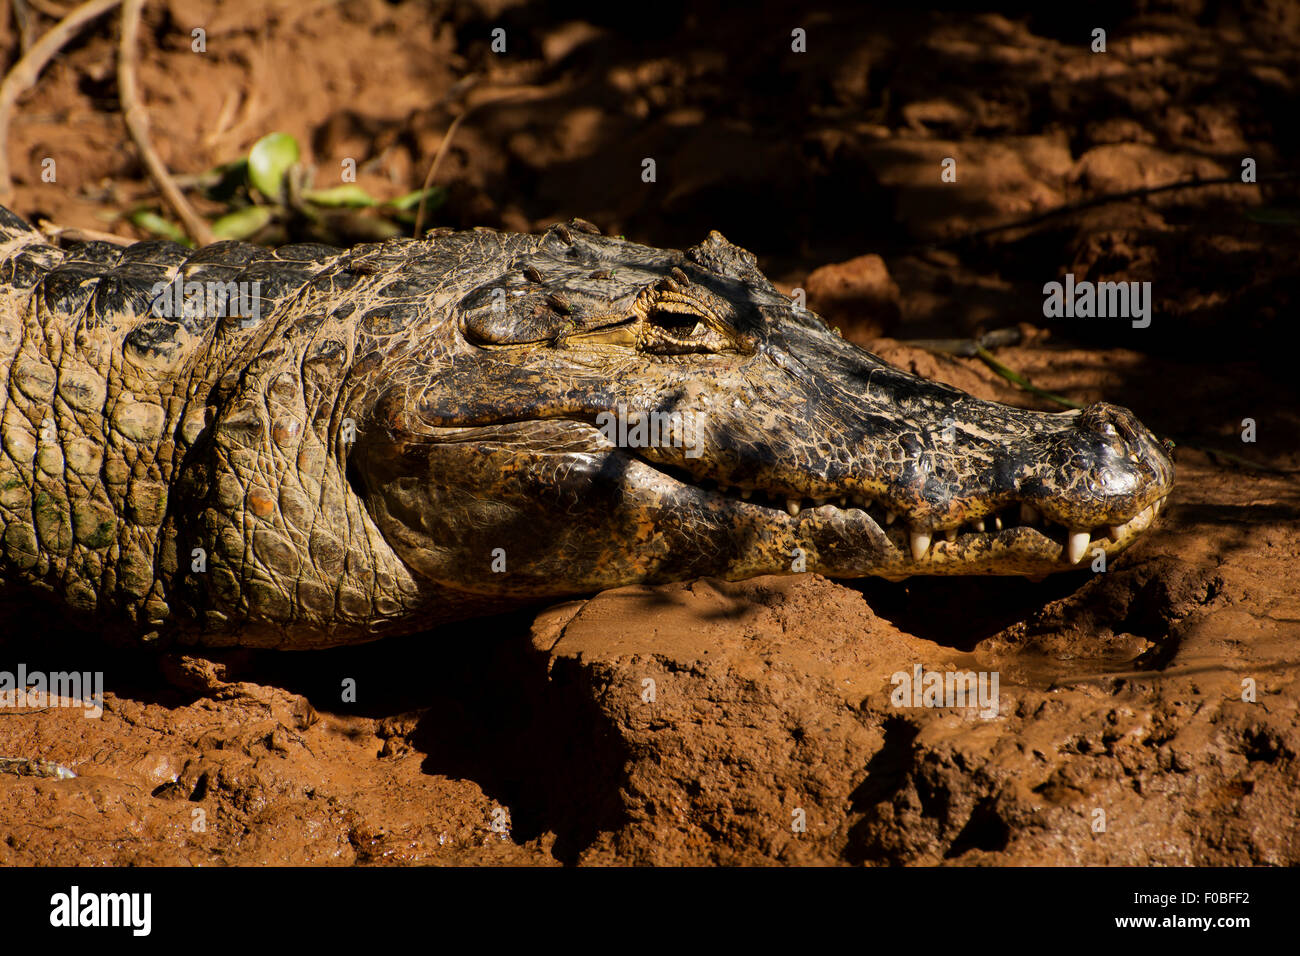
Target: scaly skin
[{"x": 412, "y": 433}]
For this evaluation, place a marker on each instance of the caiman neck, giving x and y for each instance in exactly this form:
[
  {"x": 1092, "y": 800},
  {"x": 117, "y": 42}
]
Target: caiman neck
[{"x": 94, "y": 429}]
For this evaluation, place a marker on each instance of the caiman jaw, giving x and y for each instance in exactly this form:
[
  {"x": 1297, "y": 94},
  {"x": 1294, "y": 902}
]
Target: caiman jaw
[
  {"x": 1009, "y": 538},
  {"x": 1084, "y": 483}
]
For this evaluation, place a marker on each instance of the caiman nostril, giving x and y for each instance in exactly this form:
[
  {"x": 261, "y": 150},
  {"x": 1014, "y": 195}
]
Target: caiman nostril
[{"x": 1110, "y": 420}]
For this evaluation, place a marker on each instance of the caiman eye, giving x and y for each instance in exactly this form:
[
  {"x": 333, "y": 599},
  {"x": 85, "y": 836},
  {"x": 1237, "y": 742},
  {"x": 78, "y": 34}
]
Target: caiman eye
[
  {"x": 672, "y": 332},
  {"x": 674, "y": 321},
  {"x": 674, "y": 324}
]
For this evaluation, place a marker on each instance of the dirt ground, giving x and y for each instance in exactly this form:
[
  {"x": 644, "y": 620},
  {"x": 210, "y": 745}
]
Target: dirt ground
[{"x": 1148, "y": 714}]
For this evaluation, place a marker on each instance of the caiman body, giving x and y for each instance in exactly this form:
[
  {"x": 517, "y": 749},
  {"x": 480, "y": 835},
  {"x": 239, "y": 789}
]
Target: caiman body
[{"x": 412, "y": 432}]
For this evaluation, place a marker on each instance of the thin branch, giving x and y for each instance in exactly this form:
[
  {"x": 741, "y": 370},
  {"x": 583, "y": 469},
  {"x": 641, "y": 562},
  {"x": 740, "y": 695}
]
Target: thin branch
[
  {"x": 1102, "y": 200},
  {"x": 433, "y": 168},
  {"x": 56, "y": 233},
  {"x": 137, "y": 125},
  {"x": 28, "y": 68},
  {"x": 457, "y": 89},
  {"x": 1235, "y": 458},
  {"x": 1011, "y": 375},
  {"x": 26, "y": 21},
  {"x": 51, "y": 10}
]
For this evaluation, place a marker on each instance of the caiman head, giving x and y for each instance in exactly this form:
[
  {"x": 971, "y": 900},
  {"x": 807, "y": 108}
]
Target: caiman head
[{"x": 603, "y": 413}]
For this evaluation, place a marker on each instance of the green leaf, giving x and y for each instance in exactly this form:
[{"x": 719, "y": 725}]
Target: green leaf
[
  {"x": 242, "y": 223},
  {"x": 152, "y": 222},
  {"x": 349, "y": 194},
  {"x": 222, "y": 182},
  {"x": 437, "y": 195},
  {"x": 269, "y": 162}
]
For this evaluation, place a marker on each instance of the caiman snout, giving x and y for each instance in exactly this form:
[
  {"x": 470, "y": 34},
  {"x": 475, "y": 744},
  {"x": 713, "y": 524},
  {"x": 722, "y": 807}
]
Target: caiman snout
[{"x": 1116, "y": 422}]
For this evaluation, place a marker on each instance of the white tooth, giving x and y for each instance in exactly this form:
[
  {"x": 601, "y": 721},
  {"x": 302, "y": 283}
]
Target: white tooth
[
  {"x": 1028, "y": 514},
  {"x": 858, "y": 501},
  {"x": 844, "y": 502},
  {"x": 890, "y": 517},
  {"x": 746, "y": 493},
  {"x": 1078, "y": 546},
  {"x": 978, "y": 524},
  {"x": 792, "y": 506},
  {"x": 1115, "y": 530},
  {"x": 1158, "y": 505},
  {"x": 997, "y": 522},
  {"x": 818, "y": 502},
  {"x": 920, "y": 543},
  {"x": 950, "y": 534}
]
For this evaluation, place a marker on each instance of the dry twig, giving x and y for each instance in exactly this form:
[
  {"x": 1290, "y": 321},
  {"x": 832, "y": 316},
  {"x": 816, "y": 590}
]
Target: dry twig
[
  {"x": 56, "y": 233},
  {"x": 458, "y": 89},
  {"x": 137, "y": 125}
]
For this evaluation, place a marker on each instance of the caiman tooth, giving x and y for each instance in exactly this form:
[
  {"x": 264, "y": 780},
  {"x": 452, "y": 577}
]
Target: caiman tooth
[
  {"x": 920, "y": 541},
  {"x": 978, "y": 524},
  {"x": 844, "y": 501},
  {"x": 746, "y": 493},
  {"x": 792, "y": 506},
  {"x": 997, "y": 522},
  {"x": 1077, "y": 546},
  {"x": 1139, "y": 521},
  {"x": 1029, "y": 514},
  {"x": 818, "y": 502},
  {"x": 890, "y": 516}
]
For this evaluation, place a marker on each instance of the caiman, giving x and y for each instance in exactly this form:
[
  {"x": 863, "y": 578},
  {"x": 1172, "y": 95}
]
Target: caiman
[{"x": 340, "y": 444}]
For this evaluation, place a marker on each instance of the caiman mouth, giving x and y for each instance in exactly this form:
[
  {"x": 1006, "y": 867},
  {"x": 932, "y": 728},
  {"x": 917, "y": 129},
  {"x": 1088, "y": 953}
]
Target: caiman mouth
[{"x": 1005, "y": 537}]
